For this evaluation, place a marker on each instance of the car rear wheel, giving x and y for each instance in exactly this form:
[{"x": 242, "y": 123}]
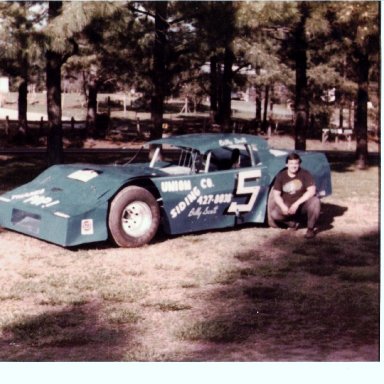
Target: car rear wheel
[
  {"x": 134, "y": 217},
  {"x": 271, "y": 202}
]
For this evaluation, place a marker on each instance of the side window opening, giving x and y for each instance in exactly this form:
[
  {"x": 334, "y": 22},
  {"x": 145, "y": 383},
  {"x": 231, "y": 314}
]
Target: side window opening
[
  {"x": 233, "y": 157},
  {"x": 183, "y": 161}
]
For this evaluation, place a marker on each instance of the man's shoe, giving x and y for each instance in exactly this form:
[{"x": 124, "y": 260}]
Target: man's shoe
[{"x": 310, "y": 234}]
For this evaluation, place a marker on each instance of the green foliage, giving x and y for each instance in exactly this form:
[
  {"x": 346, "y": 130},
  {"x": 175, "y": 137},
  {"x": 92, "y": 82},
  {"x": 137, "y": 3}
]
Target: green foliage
[
  {"x": 114, "y": 44},
  {"x": 20, "y": 40}
]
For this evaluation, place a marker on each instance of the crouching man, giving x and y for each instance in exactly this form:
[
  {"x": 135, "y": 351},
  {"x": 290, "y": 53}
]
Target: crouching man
[{"x": 294, "y": 193}]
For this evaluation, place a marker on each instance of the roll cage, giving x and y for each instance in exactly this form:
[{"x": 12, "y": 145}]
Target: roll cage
[{"x": 185, "y": 160}]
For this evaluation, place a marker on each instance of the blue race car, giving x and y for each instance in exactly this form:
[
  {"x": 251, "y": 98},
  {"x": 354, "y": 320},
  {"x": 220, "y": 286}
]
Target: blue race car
[{"x": 193, "y": 183}]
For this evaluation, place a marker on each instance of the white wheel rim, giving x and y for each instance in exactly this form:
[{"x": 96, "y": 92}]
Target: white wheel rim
[{"x": 136, "y": 219}]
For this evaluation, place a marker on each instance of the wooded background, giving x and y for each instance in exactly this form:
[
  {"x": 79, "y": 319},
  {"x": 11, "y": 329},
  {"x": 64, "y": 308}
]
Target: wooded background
[{"x": 314, "y": 56}]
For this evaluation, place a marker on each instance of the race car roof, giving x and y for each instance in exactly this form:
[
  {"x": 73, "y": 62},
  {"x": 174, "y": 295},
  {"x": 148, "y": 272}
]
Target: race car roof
[{"x": 204, "y": 142}]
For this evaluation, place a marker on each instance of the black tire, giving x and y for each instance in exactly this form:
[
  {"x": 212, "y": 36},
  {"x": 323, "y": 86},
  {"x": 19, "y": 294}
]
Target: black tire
[
  {"x": 134, "y": 217},
  {"x": 270, "y": 221}
]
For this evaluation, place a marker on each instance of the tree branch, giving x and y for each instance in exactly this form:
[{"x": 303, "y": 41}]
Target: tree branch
[
  {"x": 144, "y": 12},
  {"x": 75, "y": 50}
]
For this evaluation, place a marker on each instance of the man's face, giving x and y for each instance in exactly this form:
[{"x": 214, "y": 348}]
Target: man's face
[{"x": 293, "y": 166}]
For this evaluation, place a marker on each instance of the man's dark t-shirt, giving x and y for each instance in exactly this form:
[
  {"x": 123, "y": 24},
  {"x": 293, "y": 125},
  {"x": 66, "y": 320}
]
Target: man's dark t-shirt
[{"x": 292, "y": 188}]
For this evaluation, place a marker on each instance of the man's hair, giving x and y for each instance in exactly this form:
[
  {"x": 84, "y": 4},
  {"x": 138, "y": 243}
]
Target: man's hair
[{"x": 293, "y": 156}]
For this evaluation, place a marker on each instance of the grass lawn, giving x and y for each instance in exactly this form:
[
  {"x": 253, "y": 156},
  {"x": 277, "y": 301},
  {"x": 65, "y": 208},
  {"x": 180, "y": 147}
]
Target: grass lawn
[{"x": 250, "y": 294}]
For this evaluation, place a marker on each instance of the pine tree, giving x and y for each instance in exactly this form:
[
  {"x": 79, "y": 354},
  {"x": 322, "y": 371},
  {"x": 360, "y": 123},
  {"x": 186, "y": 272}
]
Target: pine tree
[
  {"x": 358, "y": 22},
  {"x": 54, "y": 61},
  {"x": 216, "y": 28},
  {"x": 19, "y": 49},
  {"x": 65, "y": 22}
]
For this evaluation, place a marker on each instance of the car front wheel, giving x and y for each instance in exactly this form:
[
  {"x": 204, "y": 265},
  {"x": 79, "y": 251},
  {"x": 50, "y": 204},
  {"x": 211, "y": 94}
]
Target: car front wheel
[{"x": 134, "y": 217}]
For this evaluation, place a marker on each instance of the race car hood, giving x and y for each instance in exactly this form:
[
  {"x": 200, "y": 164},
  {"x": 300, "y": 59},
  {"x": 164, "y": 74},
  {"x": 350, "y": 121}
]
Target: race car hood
[{"x": 75, "y": 188}]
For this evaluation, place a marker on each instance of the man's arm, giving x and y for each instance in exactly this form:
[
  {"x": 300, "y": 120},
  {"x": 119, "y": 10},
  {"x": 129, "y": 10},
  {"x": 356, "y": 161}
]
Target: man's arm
[
  {"x": 280, "y": 202},
  {"x": 310, "y": 192}
]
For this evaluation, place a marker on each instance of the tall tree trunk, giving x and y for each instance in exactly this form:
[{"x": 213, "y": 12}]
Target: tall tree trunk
[
  {"x": 258, "y": 104},
  {"x": 24, "y": 69},
  {"x": 225, "y": 110},
  {"x": 341, "y": 114},
  {"x": 213, "y": 84},
  {"x": 301, "y": 102},
  {"x": 265, "y": 114},
  {"x": 258, "y": 100},
  {"x": 342, "y": 95},
  {"x": 219, "y": 93},
  {"x": 91, "y": 105},
  {"x": 23, "y": 96},
  {"x": 350, "y": 114},
  {"x": 159, "y": 69},
  {"x": 361, "y": 116},
  {"x": 53, "y": 83}
]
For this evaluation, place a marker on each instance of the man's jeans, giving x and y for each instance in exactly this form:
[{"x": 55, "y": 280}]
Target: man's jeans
[{"x": 310, "y": 209}]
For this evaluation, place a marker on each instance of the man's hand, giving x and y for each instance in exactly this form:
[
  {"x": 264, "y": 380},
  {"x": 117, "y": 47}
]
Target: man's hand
[
  {"x": 285, "y": 210},
  {"x": 279, "y": 201},
  {"x": 293, "y": 208}
]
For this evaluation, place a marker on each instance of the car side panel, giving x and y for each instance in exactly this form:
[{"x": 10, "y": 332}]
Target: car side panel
[
  {"x": 195, "y": 202},
  {"x": 213, "y": 200}
]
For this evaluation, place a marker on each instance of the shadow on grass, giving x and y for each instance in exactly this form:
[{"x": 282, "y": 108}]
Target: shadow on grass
[
  {"x": 328, "y": 214},
  {"x": 312, "y": 302},
  {"x": 341, "y": 162},
  {"x": 71, "y": 334},
  {"x": 15, "y": 172},
  {"x": 319, "y": 302}
]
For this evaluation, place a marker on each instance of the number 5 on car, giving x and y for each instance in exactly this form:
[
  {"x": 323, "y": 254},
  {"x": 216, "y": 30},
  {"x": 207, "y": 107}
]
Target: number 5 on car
[{"x": 243, "y": 190}]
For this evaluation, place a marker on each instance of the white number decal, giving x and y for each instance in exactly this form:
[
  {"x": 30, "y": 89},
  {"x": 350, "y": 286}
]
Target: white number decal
[
  {"x": 41, "y": 201},
  {"x": 242, "y": 189}
]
